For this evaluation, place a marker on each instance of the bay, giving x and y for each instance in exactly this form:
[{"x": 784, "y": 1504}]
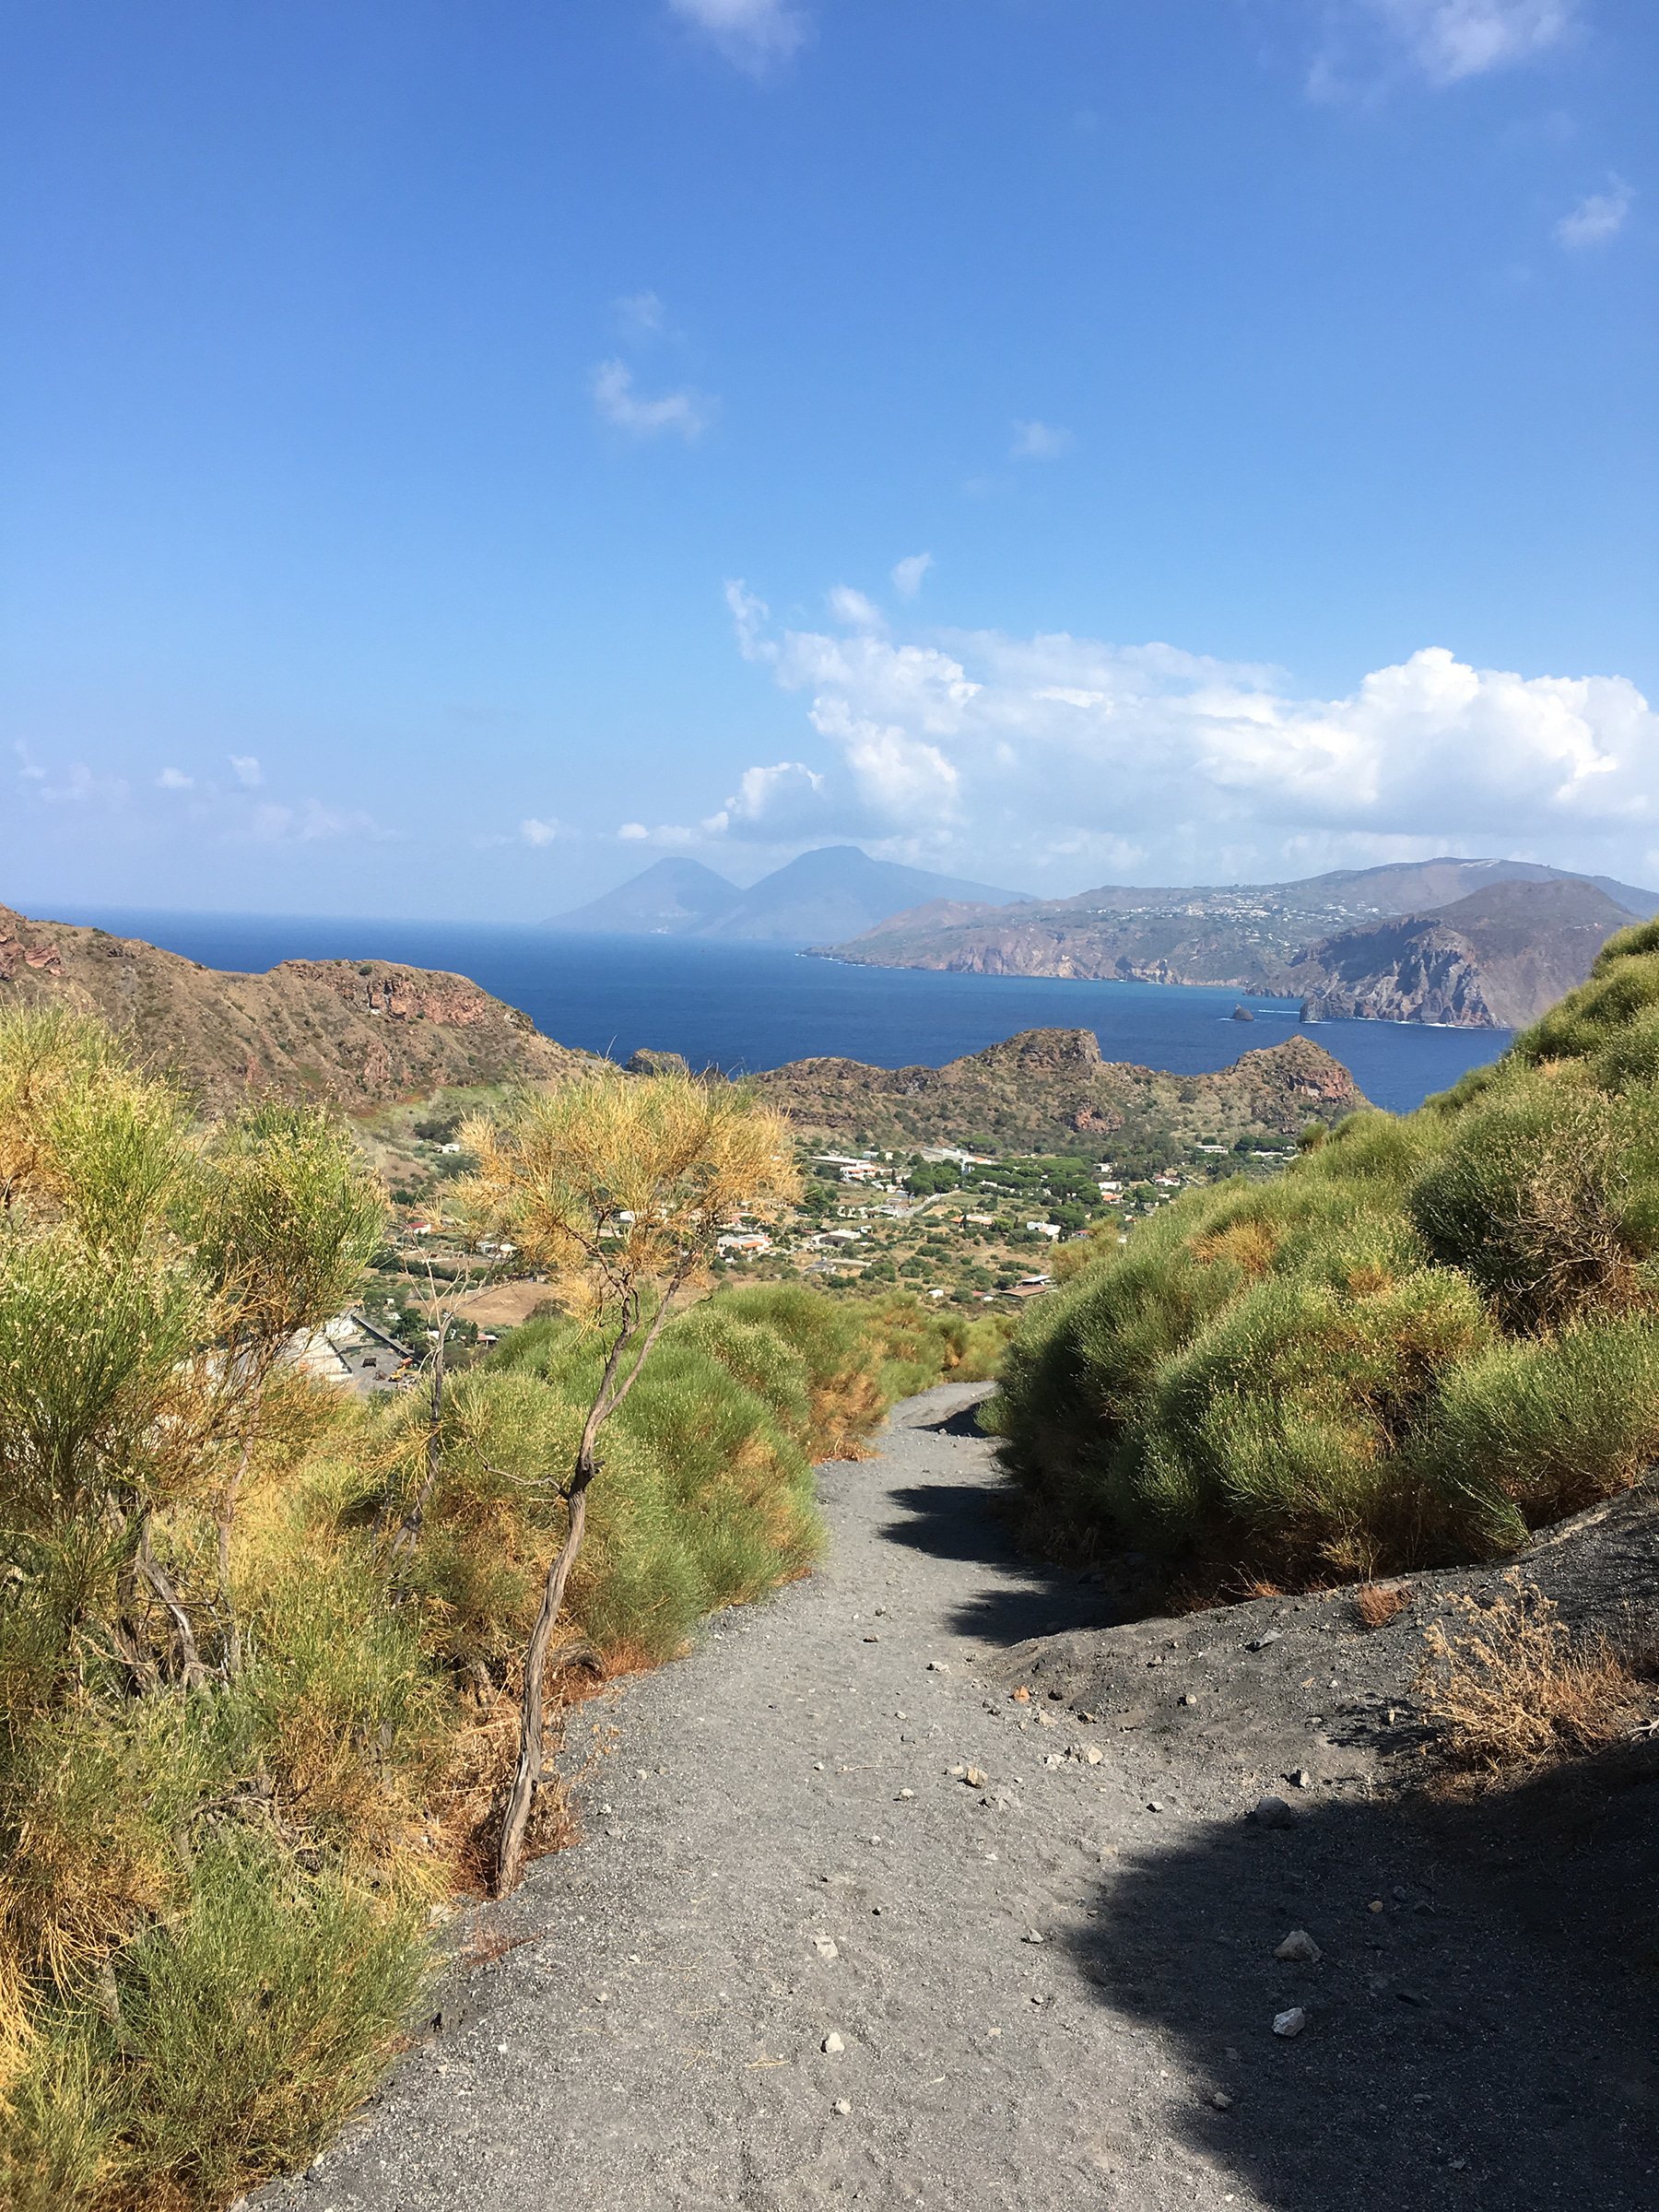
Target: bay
[{"x": 742, "y": 1007}]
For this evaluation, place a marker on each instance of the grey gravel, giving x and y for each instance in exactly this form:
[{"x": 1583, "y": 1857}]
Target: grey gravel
[{"x": 1126, "y": 2062}]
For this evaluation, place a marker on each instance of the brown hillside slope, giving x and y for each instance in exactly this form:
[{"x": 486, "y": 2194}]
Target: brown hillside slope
[
  {"x": 1048, "y": 1089},
  {"x": 1495, "y": 960},
  {"x": 361, "y": 1032}
]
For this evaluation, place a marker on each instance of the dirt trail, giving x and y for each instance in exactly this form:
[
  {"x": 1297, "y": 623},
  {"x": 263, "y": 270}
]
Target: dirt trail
[{"x": 1055, "y": 1987}]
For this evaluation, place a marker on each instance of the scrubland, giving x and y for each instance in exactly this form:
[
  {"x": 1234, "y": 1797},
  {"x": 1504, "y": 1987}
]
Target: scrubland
[
  {"x": 259, "y": 1643},
  {"x": 1429, "y": 1336}
]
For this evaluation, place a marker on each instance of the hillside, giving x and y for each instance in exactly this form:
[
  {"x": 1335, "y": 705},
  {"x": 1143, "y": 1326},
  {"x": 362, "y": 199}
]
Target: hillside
[
  {"x": 1050, "y": 1089},
  {"x": 1497, "y": 958},
  {"x": 1261, "y": 938},
  {"x": 836, "y": 891},
  {"x": 361, "y": 1032},
  {"x": 1426, "y": 1339}
]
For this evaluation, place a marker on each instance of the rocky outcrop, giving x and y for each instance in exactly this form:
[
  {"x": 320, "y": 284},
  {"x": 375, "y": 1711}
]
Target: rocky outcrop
[
  {"x": 1493, "y": 961},
  {"x": 359, "y": 1032},
  {"x": 1045, "y": 1087}
]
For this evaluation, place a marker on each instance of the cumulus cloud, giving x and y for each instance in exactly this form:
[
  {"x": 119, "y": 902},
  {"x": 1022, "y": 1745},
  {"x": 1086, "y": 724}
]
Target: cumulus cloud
[
  {"x": 534, "y": 831},
  {"x": 245, "y": 767},
  {"x": 1039, "y": 442},
  {"x": 852, "y": 607},
  {"x": 687, "y": 414},
  {"x": 908, "y": 574},
  {"x": 174, "y": 779},
  {"x": 1058, "y": 749},
  {"x": 1596, "y": 218},
  {"x": 752, "y": 34}
]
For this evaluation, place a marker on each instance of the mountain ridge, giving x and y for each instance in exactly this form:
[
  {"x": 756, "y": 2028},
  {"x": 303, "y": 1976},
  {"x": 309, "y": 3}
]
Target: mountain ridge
[
  {"x": 357, "y": 1032},
  {"x": 831, "y": 891},
  {"x": 1261, "y": 937}
]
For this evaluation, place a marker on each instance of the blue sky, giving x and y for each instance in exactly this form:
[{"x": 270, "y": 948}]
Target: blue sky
[{"x": 456, "y": 453}]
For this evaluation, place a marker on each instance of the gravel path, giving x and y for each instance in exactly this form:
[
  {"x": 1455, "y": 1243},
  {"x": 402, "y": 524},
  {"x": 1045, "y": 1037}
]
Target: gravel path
[{"x": 1052, "y": 1981}]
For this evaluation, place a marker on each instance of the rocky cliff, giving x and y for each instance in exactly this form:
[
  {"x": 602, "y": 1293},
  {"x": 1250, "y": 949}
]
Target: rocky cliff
[
  {"x": 1376, "y": 944},
  {"x": 1047, "y": 1088},
  {"x": 1495, "y": 960},
  {"x": 361, "y": 1032}
]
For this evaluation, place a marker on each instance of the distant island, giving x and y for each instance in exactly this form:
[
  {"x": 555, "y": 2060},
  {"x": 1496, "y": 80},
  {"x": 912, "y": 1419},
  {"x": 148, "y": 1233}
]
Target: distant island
[
  {"x": 836, "y": 891},
  {"x": 1478, "y": 943}
]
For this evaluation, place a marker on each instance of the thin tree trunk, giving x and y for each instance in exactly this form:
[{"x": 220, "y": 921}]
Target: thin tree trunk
[
  {"x": 191, "y": 1666},
  {"x": 532, "y": 1715},
  {"x": 630, "y": 1340}
]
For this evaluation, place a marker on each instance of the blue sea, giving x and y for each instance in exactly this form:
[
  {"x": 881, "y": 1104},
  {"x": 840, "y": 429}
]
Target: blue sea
[{"x": 746, "y": 1006}]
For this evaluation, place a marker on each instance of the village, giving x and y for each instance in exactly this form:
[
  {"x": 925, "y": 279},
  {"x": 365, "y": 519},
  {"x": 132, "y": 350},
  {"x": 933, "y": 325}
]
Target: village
[{"x": 947, "y": 1224}]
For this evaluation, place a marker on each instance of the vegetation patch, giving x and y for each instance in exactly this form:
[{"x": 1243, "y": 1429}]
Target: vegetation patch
[
  {"x": 1429, "y": 1336},
  {"x": 263, "y": 1645}
]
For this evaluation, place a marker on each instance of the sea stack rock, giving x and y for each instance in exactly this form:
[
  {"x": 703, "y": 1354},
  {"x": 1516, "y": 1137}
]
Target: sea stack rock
[{"x": 1242, "y": 1012}]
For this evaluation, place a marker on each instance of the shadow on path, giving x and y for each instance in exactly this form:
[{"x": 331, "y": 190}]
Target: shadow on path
[
  {"x": 1488, "y": 2038},
  {"x": 964, "y": 1521}
]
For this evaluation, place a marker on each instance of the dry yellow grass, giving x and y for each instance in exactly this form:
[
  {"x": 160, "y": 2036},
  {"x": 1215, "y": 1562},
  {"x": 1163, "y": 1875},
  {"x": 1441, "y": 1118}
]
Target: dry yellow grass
[
  {"x": 1515, "y": 1688},
  {"x": 1379, "y": 1603}
]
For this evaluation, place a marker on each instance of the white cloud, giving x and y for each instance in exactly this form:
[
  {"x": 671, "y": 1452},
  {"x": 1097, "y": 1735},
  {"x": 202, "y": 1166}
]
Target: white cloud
[
  {"x": 534, "y": 831},
  {"x": 752, "y": 34},
  {"x": 633, "y": 833},
  {"x": 1446, "y": 42},
  {"x": 852, "y": 607},
  {"x": 174, "y": 779},
  {"x": 246, "y": 769},
  {"x": 1450, "y": 39},
  {"x": 1039, "y": 442},
  {"x": 1056, "y": 746},
  {"x": 1597, "y": 219},
  {"x": 642, "y": 316},
  {"x": 908, "y": 574},
  {"x": 688, "y": 413}
]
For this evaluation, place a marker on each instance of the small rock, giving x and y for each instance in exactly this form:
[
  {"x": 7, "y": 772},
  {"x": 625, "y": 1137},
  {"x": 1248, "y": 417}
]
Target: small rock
[
  {"x": 1053, "y": 1758},
  {"x": 1155, "y": 1805},
  {"x": 1272, "y": 1812},
  {"x": 872, "y": 1639},
  {"x": 1221, "y": 2100},
  {"x": 825, "y": 1947},
  {"x": 1259, "y": 1644},
  {"x": 1033, "y": 1935},
  {"x": 1021, "y": 1696},
  {"x": 1375, "y": 1905},
  {"x": 907, "y": 1794},
  {"x": 1187, "y": 1697},
  {"x": 1047, "y": 1719},
  {"x": 832, "y": 2044},
  {"x": 937, "y": 1666},
  {"x": 1091, "y": 1755},
  {"x": 1299, "y": 1948},
  {"x": 1301, "y": 1780},
  {"x": 1291, "y": 2022},
  {"x": 974, "y": 1777},
  {"x": 842, "y": 2106}
]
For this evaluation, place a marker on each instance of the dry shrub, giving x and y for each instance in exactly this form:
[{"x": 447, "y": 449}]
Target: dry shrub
[
  {"x": 464, "y": 1830},
  {"x": 1515, "y": 1688},
  {"x": 1379, "y": 1603}
]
